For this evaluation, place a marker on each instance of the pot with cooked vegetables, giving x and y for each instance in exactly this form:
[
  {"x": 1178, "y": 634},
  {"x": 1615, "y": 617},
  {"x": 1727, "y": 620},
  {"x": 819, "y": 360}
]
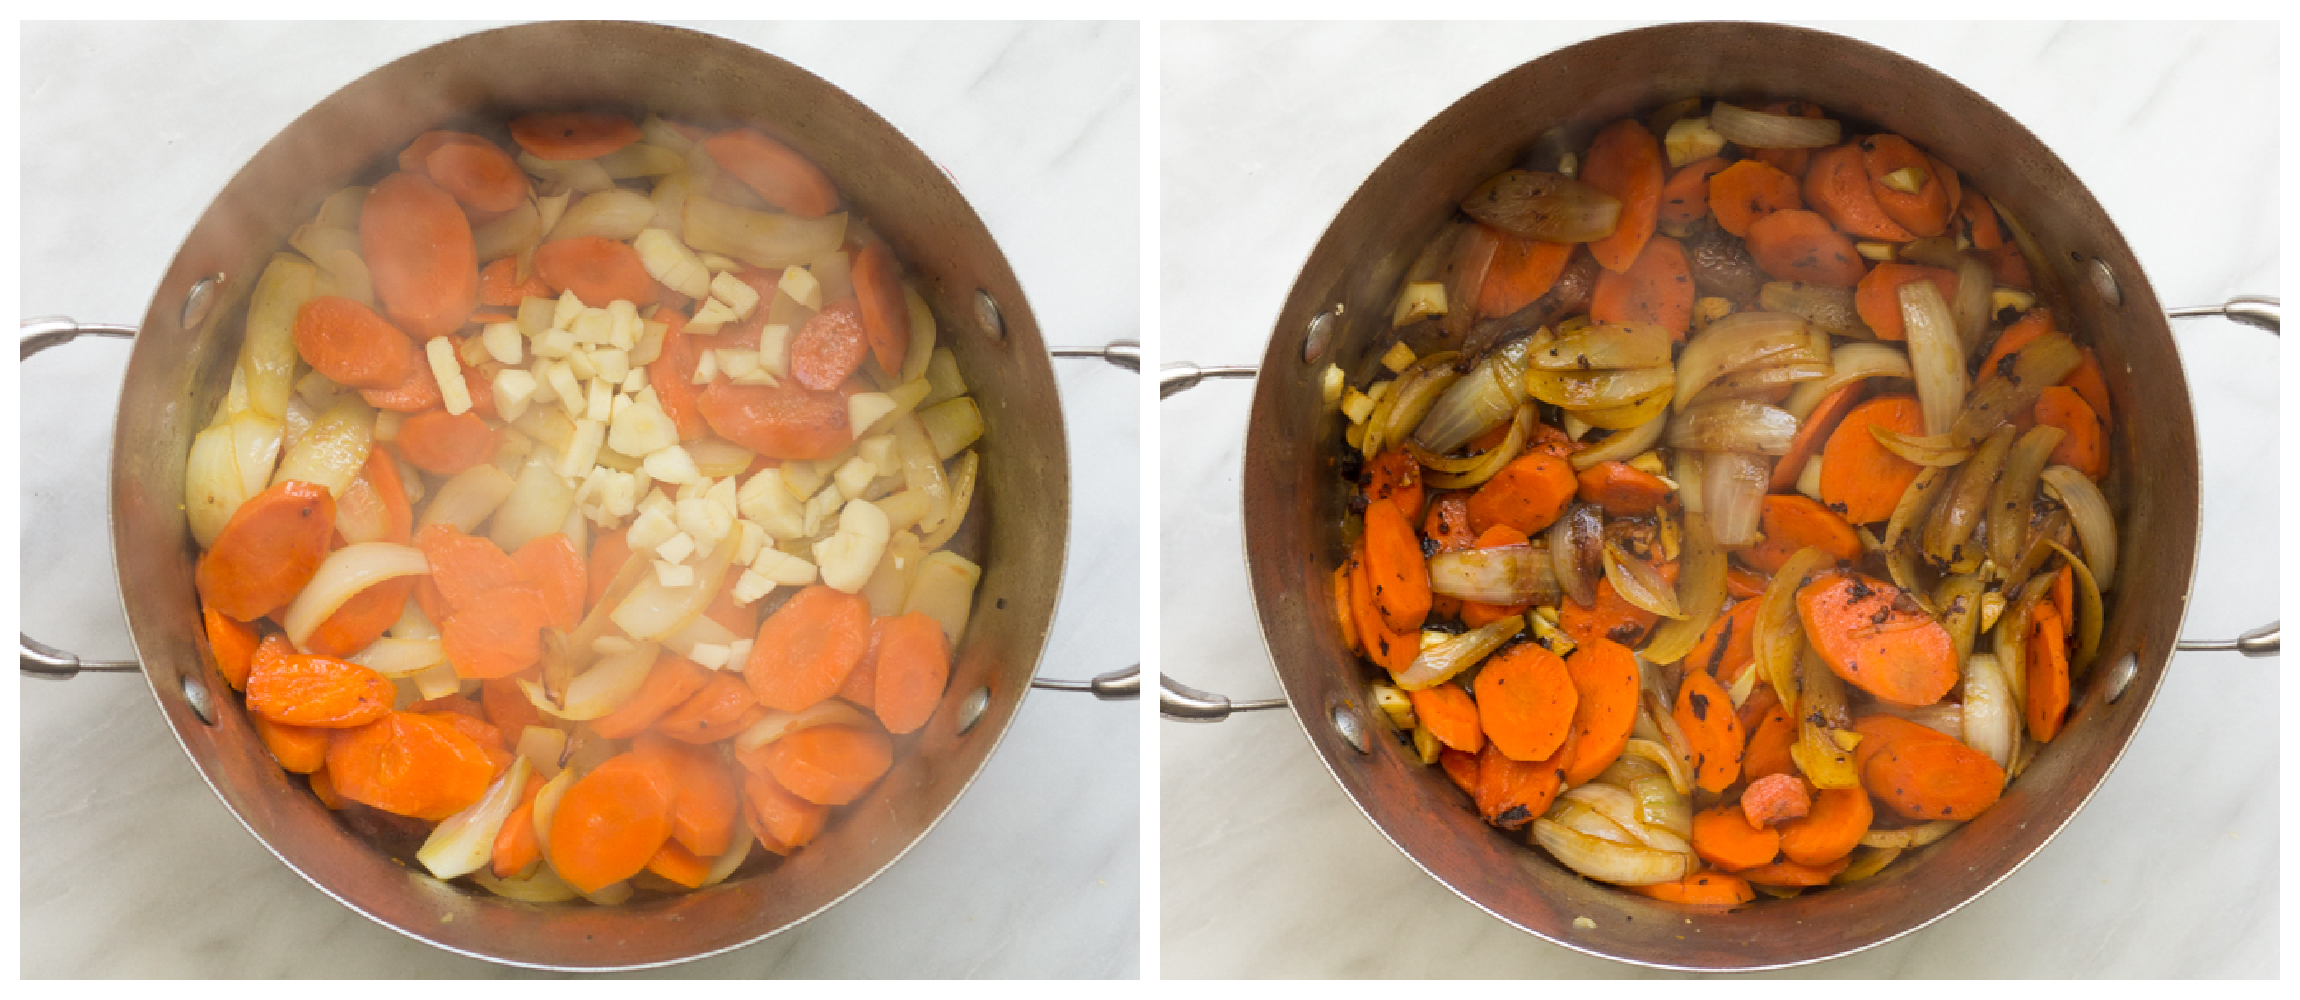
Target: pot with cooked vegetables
[
  {"x": 587, "y": 492},
  {"x": 1814, "y": 560}
]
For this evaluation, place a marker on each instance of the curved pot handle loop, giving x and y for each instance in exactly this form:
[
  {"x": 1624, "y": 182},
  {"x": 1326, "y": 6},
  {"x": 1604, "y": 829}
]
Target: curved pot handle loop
[
  {"x": 1182, "y": 376},
  {"x": 1184, "y": 703},
  {"x": 40, "y": 659},
  {"x": 2263, "y": 312},
  {"x": 2262, "y": 641},
  {"x": 1124, "y": 683}
]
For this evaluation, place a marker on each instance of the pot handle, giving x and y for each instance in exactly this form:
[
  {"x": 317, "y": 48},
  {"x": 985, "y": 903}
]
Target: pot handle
[
  {"x": 1124, "y": 683},
  {"x": 2263, "y": 312},
  {"x": 40, "y": 659},
  {"x": 1182, "y": 376}
]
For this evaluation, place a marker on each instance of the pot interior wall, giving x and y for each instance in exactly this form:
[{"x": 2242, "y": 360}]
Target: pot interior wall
[
  {"x": 175, "y": 377},
  {"x": 1295, "y": 500}
]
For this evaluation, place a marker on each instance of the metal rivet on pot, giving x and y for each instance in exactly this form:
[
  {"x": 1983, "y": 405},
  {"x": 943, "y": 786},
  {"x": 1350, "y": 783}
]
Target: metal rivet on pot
[
  {"x": 2119, "y": 677},
  {"x": 986, "y": 313},
  {"x": 2104, "y": 282},
  {"x": 200, "y": 299},
  {"x": 1318, "y": 334},
  {"x": 1352, "y": 728},
  {"x": 196, "y": 695},
  {"x": 972, "y": 709}
]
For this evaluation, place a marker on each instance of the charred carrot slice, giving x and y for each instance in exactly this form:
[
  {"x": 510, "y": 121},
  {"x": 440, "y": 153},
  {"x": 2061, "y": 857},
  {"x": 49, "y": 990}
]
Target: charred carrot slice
[
  {"x": 1527, "y": 494},
  {"x": 1811, "y": 434},
  {"x": 1448, "y": 713},
  {"x": 267, "y": 551},
  {"x": 1510, "y": 793},
  {"x": 1702, "y": 888},
  {"x": 1604, "y": 675},
  {"x": 1723, "y": 837},
  {"x": 1791, "y": 522},
  {"x": 1657, "y": 288},
  {"x": 780, "y": 175},
  {"x": 1712, "y": 732},
  {"x": 1623, "y": 491},
  {"x": 1878, "y": 638},
  {"x": 1394, "y": 560},
  {"x": 1933, "y": 779},
  {"x": 1893, "y": 162},
  {"x": 1685, "y": 199},
  {"x": 2082, "y": 445},
  {"x": 1860, "y": 480},
  {"x": 1526, "y": 701},
  {"x": 1625, "y": 161},
  {"x": 806, "y": 648},
  {"x": 1768, "y": 750},
  {"x": 1776, "y": 798},
  {"x": 2047, "y": 675},
  {"x": 1837, "y": 186},
  {"x": 1726, "y": 648},
  {"x": 1393, "y": 475},
  {"x": 1748, "y": 191},
  {"x": 572, "y": 135},
  {"x": 1828, "y": 833},
  {"x": 1385, "y": 646},
  {"x": 1797, "y": 245},
  {"x": 1522, "y": 271}
]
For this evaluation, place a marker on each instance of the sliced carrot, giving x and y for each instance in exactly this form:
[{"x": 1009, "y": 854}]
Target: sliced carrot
[
  {"x": 497, "y": 635},
  {"x": 1924, "y": 212},
  {"x": 783, "y": 821},
  {"x": 597, "y": 269},
  {"x": 1792, "y": 521},
  {"x": 1742, "y": 583},
  {"x": 465, "y": 568},
  {"x": 1446, "y": 522},
  {"x": 780, "y": 175},
  {"x": 2032, "y": 325},
  {"x": 1394, "y": 475},
  {"x": 417, "y": 392},
  {"x": 706, "y": 796},
  {"x": 352, "y": 345},
  {"x": 1934, "y": 779},
  {"x": 1837, "y": 186},
  {"x": 507, "y": 707},
  {"x": 2064, "y": 597},
  {"x": 232, "y": 643},
  {"x": 1797, "y": 245},
  {"x": 1525, "y": 701},
  {"x": 381, "y": 474},
  {"x": 1860, "y": 480},
  {"x": 1776, "y": 798},
  {"x": 550, "y": 565},
  {"x": 1811, "y": 433},
  {"x": 1657, "y": 288},
  {"x": 1712, "y": 732},
  {"x": 1522, "y": 271},
  {"x": 1625, "y": 161},
  {"x": 1880, "y": 731},
  {"x": 831, "y": 345},
  {"x": 670, "y": 683},
  {"x": 1828, "y": 833},
  {"x": 499, "y": 284},
  {"x": 1769, "y": 743},
  {"x": 478, "y": 174},
  {"x": 1448, "y": 713},
  {"x": 885, "y": 311},
  {"x": 572, "y": 135},
  {"x": 1750, "y": 190},
  {"x": 1342, "y": 618},
  {"x": 1877, "y": 638},
  {"x": 806, "y": 648},
  {"x": 409, "y": 765},
  {"x": 1510, "y": 793},
  {"x": 1604, "y": 675},
  {"x": 516, "y": 847},
  {"x": 2088, "y": 383},
  {"x": 1792, "y": 874},
  {"x": 1461, "y": 767},
  {"x": 363, "y": 619},
  {"x": 1978, "y": 222},
  {"x": 1878, "y": 297},
  {"x": 444, "y": 444},
  {"x": 913, "y": 669},
  {"x": 1726, "y": 647},
  {"x": 787, "y": 422},
  {"x": 829, "y": 765},
  {"x": 1723, "y": 837},
  {"x": 2047, "y": 668},
  {"x": 299, "y": 749},
  {"x": 710, "y": 714},
  {"x": 611, "y": 821},
  {"x": 609, "y": 551},
  {"x": 1702, "y": 888},
  {"x": 1389, "y": 648},
  {"x": 1611, "y": 617},
  {"x": 1527, "y": 494},
  {"x": 420, "y": 256},
  {"x": 2009, "y": 267},
  {"x": 672, "y": 374},
  {"x": 1394, "y": 560},
  {"x": 2082, "y": 444},
  {"x": 267, "y": 551},
  {"x": 1685, "y": 198},
  {"x": 1622, "y": 490},
  {"x": 680, "y": 865},
  {"x": 323, "y": 788},
  {"x": 861, "y": 685}
]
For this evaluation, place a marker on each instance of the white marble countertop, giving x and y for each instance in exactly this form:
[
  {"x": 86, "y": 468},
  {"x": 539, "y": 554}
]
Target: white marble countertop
[
  {"x": 130, "y": 865},
  {"x": 1267, "y": 869}
]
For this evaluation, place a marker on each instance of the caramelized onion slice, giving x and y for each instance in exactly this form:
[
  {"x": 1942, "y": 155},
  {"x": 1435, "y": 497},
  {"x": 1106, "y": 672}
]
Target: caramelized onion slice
[
  {"x": 1765, "y": 130},
  {"x": 1507, "y": 574},
  {"x": 1544, "y": 206}
]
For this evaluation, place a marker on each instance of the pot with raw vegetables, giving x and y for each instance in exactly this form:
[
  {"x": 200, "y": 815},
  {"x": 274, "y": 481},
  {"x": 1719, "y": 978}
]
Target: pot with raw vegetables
[
  {"x": 589, "y": 500},
  {"x": 1752, "y": 436}
]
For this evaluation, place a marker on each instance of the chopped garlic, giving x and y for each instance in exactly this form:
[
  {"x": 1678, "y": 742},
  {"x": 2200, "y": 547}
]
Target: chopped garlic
[
  {"x": 802, "y": 286},
  {"x": 1331, "y": 384},
  {"x": 705, "y": 521},
  {"x": 855, "y": 476},
  {"x": 565, "y": 310},
  {"x": 749, "y": 539},
  {"x": 628, "y": 327},
  {"x": 709, "y": 654},
  {"x": 642, "y": 429},
  {"x": 635, "y": 379},
  {"x": 670, "y": 575},
  {"x": 708, "y": 319},
  {"x": 765, "y": 500},
  {"x": 775, "y": 349},
  {"x": 612, "y": 364},
  {"x": 545, "y": 391},
  {"x": 598, "y": 406},
  {"x": 738, "y": 363},
  {"x": 622, "y": 402},
  {"x": 669, "y": 261},
  {"x": 646, "y": 395},
  {"x": 783, "y": 568},
  {"x": 594, "y": 326},
  {"x": 706, "y": 367},
  {"x": 387, "y": 424},
  {"x": 535, "y": 316},
  {"x": 847, "y": 558},
  {"x": 582, "y": 449},
  {"x": 569, "y": 392},
  {"x": 819, "y": 510},
  {"x": 725, "y": 493},
  {"x": 650, "y": 343},
  {"x": 554, "y": 343},
  {"x": 1398, "y": 358},
  {"x": 865, "y": 408},
  {"x": 472, "y": 352},
  {"x": 738, "y": 653},
  {"x": 676, "y": 548},
  {"x": 653, "y": 527},
  {"x": 740, "y": 298},
  {"x": 579, "y": 362},
  {"x": 751, "y": 586},
  {"x": 880, "y": 453},
  {"x": 671, "y": 465},
  {"x": 503, "y": 342},
  {"x": 448, "y": 369}
]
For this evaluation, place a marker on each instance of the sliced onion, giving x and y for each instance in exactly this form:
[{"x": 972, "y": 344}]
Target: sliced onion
[
  {"x": 542, "y": 747},
  {"x": 1660, "y": 806},
  {"x": 718, "y": 458},
  {"x": 600, "y": 690},
  {"x": 332, "y": 451},
  {"x": 1763, "y": 384},
  {"x": 1930, "y": 450},
  {"x": 345, "y": 573},
  {"x": 1827, "y": 309},
  {"x": 213, "y": 486},
  {"x": 2014, "y": 387},
  {"x": 1700, "y": 593},
  {"x": 2088, "y": 510},
  {"x": 2011, "y": 499},
  {"x": 336, "y": 250},
  {"x": 545, "y": 886},
  {"x": 1990, "y": 725},
  {"x": 962, "y": 478},
  {"x": 1438, "y": 663},
  {"x": 1616, "y": 804},
  {"x": 654, "y": 612},
  {"x": 1635, "y": 413},
  {"x": 466, "y": 500},
  {"x": 829, "y": 712},
  {"x": 1909, "y": 837},
  {"x": 2090, "y": 615},
  {"x": 518, "y": 231},
  {"x": 703, "y": 631},
  {"x": 1575, "y": 541},
  {"x": 1604, "y": 861},
  {"x": 1606, "y": 345},
  {"x": 1622, "y": 445},
  {"x": 737, "y": 851},
  {"x": 1935, "y": 353},
  {"x": 1765, "y": 130},
  {"x": 1821, "y": 711},
  {"x": 1916, "y": 503},
  {"x": 267, "y": 351},
  {"x": 1638, "y": 582},
  {"x": 1733, "y": 425},
  {"x": 1505, "y": 575},
  {"x": 1849, "y": 363},
  {"x": 1593, "y": 390},
  {"x": 1680, "y": 778},
  {"x": 1740, "y": 342},
  {"x": 1960, "y": 510},
  {"x": 1416, "y": 392},
  {"x": 615, "y": 214},
  {"x": 1653, "y": 705},
  {"x": 922, "y": 470},
  {"x": 1976, "y": 285},
  {"x": 1544, "y": 206},
  {"x": 1959, "y": 602},
  {"x": 1477, "y": 402},
  {"x": 461, "y": 843},
  {"x": 1686, "y": 464},
  {"x": 1778, "y": 636},
  {"x": 397, "y": 657},
  {"x": 536, "y": 506},
  {"x": 760, "y": 239},
  {"x": 1581, "y": 818}
]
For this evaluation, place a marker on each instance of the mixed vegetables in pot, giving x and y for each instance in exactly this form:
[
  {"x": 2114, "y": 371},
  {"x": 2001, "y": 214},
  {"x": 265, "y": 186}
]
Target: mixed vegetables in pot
[
  {"x": 1730, "y": 514},
  {"x": 585, "y": 505}
]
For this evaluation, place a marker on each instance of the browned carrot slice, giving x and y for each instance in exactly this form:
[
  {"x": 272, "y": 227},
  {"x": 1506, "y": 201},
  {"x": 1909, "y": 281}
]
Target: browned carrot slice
[
  {"x": 1510, "y": 793},
  {"x": 1811, "y": 433},
  {"x": 572, "y": 135},
  {"x": 1792, "y": 874},
  {"x": 1768, "y": 750},
  {"x": 1393, "y": 475},
  {"x": 1657, "y": 288},
  {"x": 1712, "y": 732},
  {"x": 1685, "y": 199},
  {"x": 1790, "y": 522},
  {"x": 1394, "y": 560},
  {"x": 1860, "y": 480},
  {"x": 1527, "y": 494},
  {"x": 1750, "y": 190},
  {"x": 1525, "y": 701},
  {"x": 1604, "y": 675},
  {"x": 2047, "y": 674},
  {"x": 1726, "y": 648},
  {"x": 1702, "y": 888},
  {"x": 1797, "y": 245},
  {"x": 1924, "y": 212},
  {"x": 2082, "y": 446},
  {"x": 1837, "y": 186},
  {"x": 1448, "y": 713},
  {"x": 1723, "y": 837},
  {"x": 1830, "y": 832},
  {"x": 1933, "y": 779},
  {"x": 1625, "y": 161},
  {"x": 1877, "y": 638},
  {"x": 1522, "y": 271}
]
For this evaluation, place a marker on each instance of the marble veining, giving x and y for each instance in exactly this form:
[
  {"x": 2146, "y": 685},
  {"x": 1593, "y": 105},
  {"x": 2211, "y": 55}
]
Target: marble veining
[
  {"x": 1270, "y": 871},
  {"x": 132, "y": 866}
]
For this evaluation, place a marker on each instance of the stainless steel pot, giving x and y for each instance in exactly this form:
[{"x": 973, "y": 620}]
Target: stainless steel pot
[
  {"x": 1336, "y": 313},
  {"x": 190, "y": 334}
]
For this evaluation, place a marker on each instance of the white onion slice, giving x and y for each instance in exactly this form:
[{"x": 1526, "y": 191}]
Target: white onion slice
[
  {"x": 600, "y": 690},
  {"x": 1765, "y": 130},
  {"x": 1618, "y": 864},
  {"x": 1503, "y": 574},
  {"x": 267, "y": 351},
  {"x": 213, "y": 487},
  {"x": 1849, "y": 363},
  {"x": 1935, "y": 354},
  {"x": 396, "y": 657},
  {"x": 1733, "y": 495},
  {"x": 655, "y": 612},
  {"x": 1679, "y": 777},
  {"x": 346, "y": 572},
  {"x": 331, "y": 452},
  {"x": 737, "y": 852},
  {"x": 2088, "y": 511},
  {"x": 541, "y": 747},
  {"x": 545, "y": 886},
  {"x": 256, "y": 443},
  {"x": 615, "y": 214},
  {"x": 1740, "y": 425},
  {"x": 466, "y": 500},
  {"x": 546, "y": 806},
  {"x": 1438, "y": 663},
  {"x": 1740, "y": 342},
  {"x": 1991, "y": 725},
  {"x": 962, "y": 479},
  {"x": 461, "y": 843},
  {"x": 830, "y": 712},
  {"x": 1639, "y": 583}
]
